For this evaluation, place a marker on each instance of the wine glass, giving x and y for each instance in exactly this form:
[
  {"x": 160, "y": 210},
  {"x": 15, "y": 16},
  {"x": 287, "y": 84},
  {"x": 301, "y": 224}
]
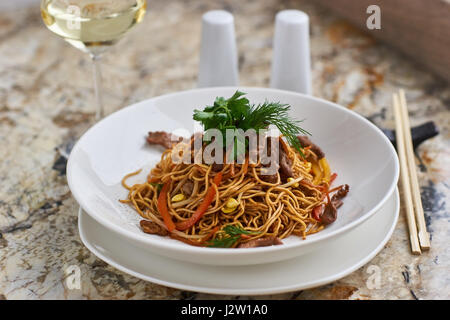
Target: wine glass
[{"x": 92, "y": 26}]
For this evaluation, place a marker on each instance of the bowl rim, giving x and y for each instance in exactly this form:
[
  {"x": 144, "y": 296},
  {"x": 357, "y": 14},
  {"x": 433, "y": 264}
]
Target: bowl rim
[{"x": 205, "y": 251}]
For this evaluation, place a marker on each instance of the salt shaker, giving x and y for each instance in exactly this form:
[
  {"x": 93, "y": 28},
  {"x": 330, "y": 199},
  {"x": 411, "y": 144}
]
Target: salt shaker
[
  {"x": 291, "y": 62},
  {"x": 218, "y": 54}
]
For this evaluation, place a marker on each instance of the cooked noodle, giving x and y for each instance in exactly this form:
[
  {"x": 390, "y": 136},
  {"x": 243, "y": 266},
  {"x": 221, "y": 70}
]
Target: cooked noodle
[{"x": 265, "y": 209}]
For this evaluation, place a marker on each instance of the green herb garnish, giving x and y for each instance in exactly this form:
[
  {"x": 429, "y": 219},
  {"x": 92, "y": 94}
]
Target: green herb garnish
[
  {"x": 237, "y": 113},
  {"x": 158, "y": 186},
  {"x": 231, "y": 236}
]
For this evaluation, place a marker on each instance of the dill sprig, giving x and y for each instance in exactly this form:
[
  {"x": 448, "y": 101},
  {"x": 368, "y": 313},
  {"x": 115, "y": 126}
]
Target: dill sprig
[
  {"x": 237, "y": 113},
  {"x": 231, "y": 235},
  {"x": 276, "y": 113}
]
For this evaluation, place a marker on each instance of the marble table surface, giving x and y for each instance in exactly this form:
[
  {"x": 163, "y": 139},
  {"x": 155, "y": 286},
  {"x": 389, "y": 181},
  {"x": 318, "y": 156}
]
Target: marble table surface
[{"x": 47, "y": 102}]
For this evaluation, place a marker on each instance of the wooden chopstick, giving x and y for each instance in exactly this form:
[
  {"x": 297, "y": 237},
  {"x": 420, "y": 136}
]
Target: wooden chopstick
[
  {"x": 424, "y": 237},
  {"x": 404, "y": 174}
]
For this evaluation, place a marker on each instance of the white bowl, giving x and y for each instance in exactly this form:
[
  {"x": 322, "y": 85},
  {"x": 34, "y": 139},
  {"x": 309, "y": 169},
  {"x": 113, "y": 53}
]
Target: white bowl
[
  {"x": 315, "y": 268},
  {"x": 356, "y": 149}
]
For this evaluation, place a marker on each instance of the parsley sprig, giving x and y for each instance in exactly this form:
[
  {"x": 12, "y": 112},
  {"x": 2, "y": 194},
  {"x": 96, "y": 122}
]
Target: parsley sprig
[
  {"x": 236, "y": 112},
  {"x": 231, "y": 235}
]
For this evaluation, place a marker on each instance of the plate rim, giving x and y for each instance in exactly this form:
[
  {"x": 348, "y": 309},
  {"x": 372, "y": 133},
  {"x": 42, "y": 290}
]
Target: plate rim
[
  {"x": 202, "y": 251},
  {"x": 274, "y": 290}
]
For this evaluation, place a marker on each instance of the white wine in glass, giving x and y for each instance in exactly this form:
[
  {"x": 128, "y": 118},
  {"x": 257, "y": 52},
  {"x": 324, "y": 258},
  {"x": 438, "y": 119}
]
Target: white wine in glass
[{"x": 92, "y": 26}]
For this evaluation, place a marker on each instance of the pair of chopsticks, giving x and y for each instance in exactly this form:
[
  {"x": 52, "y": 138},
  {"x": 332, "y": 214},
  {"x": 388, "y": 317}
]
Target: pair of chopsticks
[{"x": 419, "y": 237}]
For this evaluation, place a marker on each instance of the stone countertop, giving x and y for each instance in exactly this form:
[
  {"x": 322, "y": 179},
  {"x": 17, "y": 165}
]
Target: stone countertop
[{"x": 47, "y": 102}]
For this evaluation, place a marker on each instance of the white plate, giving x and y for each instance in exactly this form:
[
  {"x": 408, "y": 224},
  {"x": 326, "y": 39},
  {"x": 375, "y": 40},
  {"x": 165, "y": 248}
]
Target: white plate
[
  {"x": 357, "y": 150},
  {"x": 333, "y": 261}
]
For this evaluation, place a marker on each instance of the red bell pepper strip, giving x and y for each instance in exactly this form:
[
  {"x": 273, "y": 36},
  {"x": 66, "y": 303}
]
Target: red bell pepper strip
[
  {"x": 332, "y": 178},
  {"x": 201, "y": 209},
  {"x": 162, "y": 207},
  {"x": 317, "y": 212}
]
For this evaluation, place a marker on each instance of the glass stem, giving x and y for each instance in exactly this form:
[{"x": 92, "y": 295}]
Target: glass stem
[{"x": 100, "y": 112}]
